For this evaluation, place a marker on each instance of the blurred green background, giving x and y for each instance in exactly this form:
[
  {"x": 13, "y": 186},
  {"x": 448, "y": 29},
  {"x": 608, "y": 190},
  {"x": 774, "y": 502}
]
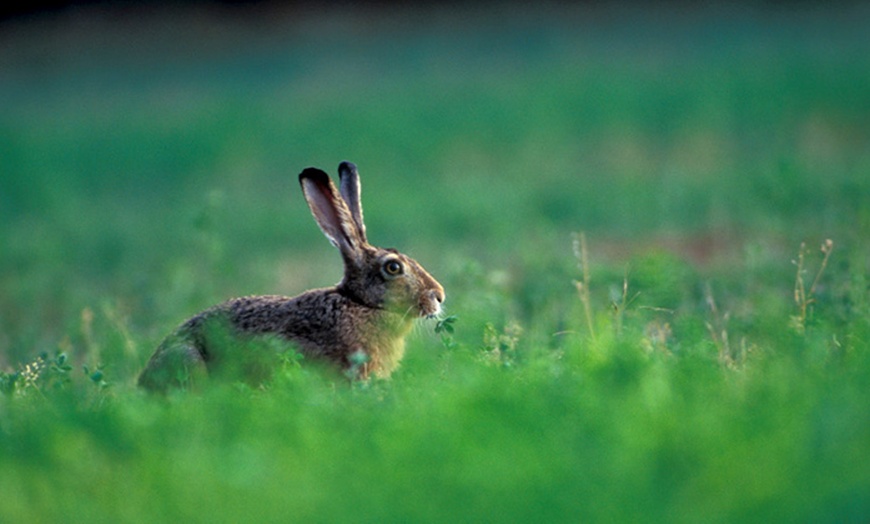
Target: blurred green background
[
  {"x": 150, "y": 153},
  {"x": 148, "y": 163}
]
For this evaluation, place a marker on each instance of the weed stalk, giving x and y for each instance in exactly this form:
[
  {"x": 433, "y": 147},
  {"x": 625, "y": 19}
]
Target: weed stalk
[
  {"x": 581, "y": 253},
  {"x": 803, "y": 297},
  {"x": 717, "y": 326}
]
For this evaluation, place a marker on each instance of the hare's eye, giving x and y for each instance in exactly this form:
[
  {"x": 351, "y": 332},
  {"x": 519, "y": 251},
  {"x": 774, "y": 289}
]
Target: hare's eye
[{"x": 393, "y": 267}]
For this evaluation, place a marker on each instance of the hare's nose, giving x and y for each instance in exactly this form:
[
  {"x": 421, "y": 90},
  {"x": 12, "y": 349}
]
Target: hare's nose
[{"x": 438, "y": 295}]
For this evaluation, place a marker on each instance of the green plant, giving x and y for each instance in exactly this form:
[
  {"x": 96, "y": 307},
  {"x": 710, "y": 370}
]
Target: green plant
[{"x": 445, "y": 328}]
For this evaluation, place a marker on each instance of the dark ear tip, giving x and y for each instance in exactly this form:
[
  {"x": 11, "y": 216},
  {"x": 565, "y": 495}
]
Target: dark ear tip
[
  {"x": 314, "y": 174},
  {"x": 346, "y": 166}
]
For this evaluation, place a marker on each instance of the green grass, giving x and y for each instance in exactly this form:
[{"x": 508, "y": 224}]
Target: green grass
[{"x": 148, "y": 171}]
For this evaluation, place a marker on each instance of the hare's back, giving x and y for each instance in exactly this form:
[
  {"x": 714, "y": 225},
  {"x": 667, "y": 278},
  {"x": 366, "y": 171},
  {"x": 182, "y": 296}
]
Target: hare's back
[{"x": 293, "y": 317}]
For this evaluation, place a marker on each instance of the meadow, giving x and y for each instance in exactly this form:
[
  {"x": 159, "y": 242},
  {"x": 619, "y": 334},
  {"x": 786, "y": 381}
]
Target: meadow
[{"x": 651, "y": 226}]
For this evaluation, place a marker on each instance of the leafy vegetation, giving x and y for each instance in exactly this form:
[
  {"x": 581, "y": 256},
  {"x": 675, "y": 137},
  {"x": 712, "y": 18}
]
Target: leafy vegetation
[{"x": 651, "y": 228}]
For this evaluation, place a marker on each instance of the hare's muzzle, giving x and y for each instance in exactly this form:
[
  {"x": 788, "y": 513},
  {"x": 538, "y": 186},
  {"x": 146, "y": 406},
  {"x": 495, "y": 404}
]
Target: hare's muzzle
[
  {"x": 438, "y": 295},
  {"x": 431, "y": 303}
]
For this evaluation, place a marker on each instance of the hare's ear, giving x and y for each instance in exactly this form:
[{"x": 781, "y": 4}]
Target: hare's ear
[
  {"x": 331, "y": 212},
  {"x": 351, "y": 190}
]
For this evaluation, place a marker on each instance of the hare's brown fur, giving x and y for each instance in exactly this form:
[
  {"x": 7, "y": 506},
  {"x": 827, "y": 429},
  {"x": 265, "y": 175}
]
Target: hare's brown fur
[{"x": 359, "y": 325}]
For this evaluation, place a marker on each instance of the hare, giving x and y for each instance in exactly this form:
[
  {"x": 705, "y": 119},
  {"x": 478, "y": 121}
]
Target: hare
[{"x": 358, "y": 325}]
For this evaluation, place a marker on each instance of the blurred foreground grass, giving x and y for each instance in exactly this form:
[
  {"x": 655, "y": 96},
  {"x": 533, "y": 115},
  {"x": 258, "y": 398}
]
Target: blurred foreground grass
[{"x": 149, "y": 164}]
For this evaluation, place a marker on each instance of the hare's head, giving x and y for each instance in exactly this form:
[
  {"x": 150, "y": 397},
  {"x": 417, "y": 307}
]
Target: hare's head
[{"x": 374, "y": 277}]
